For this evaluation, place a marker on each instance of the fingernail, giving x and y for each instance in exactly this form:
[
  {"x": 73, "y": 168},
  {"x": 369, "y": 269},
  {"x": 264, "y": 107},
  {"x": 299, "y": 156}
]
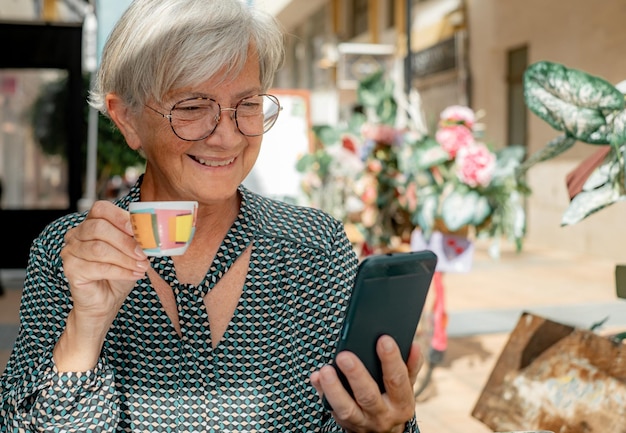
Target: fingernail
[
  {"x": 387, "y": 343},
  {"x": 326, "y": 375},
  {"x": 139, "y": 252},
  {"x": 345, "y": 362}
]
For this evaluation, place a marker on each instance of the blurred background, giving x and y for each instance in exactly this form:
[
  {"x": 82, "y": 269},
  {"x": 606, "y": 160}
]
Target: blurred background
[{"x": 56, "y": 156}]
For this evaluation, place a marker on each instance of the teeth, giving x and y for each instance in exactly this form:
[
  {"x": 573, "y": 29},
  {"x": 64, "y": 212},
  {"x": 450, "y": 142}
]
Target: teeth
[{"x": 215, "y": 163}]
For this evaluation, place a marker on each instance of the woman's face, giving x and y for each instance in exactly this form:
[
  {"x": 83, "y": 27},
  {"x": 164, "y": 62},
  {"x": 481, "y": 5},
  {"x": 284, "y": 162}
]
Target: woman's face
[{"x": 209, "y": 170}]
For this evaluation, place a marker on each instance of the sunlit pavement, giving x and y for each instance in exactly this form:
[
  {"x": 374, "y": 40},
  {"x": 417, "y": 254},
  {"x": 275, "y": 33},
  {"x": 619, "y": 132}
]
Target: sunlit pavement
[{"x": 484, "y": 306}]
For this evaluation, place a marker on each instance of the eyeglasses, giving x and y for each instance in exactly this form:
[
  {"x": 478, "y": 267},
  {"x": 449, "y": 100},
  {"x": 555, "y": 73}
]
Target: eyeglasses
[{"x": 195, "y": 119}]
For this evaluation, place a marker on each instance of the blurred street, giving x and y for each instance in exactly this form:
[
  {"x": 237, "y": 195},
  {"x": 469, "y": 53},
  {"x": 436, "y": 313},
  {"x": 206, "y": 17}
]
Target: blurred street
[{"x": 483, "y": 306}]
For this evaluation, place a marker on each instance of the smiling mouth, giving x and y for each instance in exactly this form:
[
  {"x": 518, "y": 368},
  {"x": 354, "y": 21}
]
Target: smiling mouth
[{"x": 221, "y": 163}]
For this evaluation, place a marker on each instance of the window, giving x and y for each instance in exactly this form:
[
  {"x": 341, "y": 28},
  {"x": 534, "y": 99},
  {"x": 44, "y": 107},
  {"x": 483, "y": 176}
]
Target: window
[
  {"x": 33, "y": 139},
  {"x": 517, "y": 62},
  {"x": 360, "y": 17}
]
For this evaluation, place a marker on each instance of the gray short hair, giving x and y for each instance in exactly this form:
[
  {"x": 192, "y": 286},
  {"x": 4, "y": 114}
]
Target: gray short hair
[{"x": 161, "y": 45}]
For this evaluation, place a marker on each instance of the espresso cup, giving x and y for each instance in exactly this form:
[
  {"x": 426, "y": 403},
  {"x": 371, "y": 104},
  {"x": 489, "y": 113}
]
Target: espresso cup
[{"x": 163, "y": 228}]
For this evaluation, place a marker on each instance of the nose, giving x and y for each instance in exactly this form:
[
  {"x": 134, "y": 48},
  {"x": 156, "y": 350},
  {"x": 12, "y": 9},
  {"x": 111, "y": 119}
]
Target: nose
[
  {"x": 219, "y": 115},
  {"x": 232, "y": 116}
]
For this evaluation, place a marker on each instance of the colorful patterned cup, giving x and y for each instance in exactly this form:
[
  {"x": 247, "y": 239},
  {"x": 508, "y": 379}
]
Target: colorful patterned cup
[{"x": 163, "y": 228}]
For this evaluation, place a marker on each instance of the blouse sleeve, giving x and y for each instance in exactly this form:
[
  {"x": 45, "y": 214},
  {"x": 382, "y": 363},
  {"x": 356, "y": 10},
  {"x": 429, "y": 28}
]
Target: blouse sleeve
[
  {"x": 330, "y": 426},
  {"x": 34, "y": 396}
]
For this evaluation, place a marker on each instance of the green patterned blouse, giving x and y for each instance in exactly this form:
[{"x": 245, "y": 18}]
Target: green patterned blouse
[{"x": 150, "y": 379}]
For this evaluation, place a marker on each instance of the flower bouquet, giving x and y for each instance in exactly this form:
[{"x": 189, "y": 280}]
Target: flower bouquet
[
  {"x": 457, "y": 183},
  {"x": 390, "y": 176}
]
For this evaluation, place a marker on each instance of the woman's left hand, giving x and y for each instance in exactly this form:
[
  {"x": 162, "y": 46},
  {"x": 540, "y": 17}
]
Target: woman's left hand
[{"x": 369, "y": 410}]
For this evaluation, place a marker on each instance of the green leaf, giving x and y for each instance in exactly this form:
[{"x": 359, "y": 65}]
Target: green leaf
[
  {"x": 376, "y": 93},
  {"x": 555, "y": 147},
  {"x": 618, "y": 134},
  {"x": 458, "y": 209},
  {"x": 371, "y": 90},
  {"x": 426, "y": 213},
  {"x": 356, "y": 122},
  {"x": 482, "y": 210},
  {"x": 586, "y": 203},
  {"x": 571, "y": 101},
  {"x": 428, "y": 154},
  {"x": 326, "y": 134},
  {"x": 304, "y": 162},
  {"x": 605, "y": 173},
  {"x": 386, "y": 111},
  {"x": 508, "y": 159}
]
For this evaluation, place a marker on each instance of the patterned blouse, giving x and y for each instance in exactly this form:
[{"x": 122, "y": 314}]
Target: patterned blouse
[{"x": 149, "y": 379}]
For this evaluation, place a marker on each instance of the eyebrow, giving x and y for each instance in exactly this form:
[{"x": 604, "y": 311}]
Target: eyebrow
[{"x": 237, "y": 97}]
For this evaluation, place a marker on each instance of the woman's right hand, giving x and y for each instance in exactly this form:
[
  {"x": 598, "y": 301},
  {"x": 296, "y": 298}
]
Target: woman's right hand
[{"x": 102, "y": 262}]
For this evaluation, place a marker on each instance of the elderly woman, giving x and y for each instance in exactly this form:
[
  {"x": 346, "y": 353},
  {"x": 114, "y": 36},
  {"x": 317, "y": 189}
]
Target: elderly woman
[{"x": 236, "y": 333}]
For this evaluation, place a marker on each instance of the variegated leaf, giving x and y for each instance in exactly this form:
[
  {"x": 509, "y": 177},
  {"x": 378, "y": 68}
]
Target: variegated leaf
[
  {"x": 482, "y": 210},
  {"x": 588, "y": 202},
  {"x": 572, "y": 101},
  {"x": 327, "y": 134},
  {"x": 426, "y": 213},
  {"x": 555, "y": 147},
  {"x": 618, "y": 133},
  {"x": 429, "y": 154},
  {"x": 458, "y": 209},
  {"x": 508, "y": 160},
  {"x": 605, "y": 173}
]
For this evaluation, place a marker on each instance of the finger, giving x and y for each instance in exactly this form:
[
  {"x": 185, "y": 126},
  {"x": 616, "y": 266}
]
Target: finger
[
  {"x": 315, "y": 381},
  {"x": 87, "y": 258},
  {"x": 114, "y": 224},
  {"x": 338, "y": 397},
  {"x": 101, "y": 248},
  {"x": 364, "y": 387},
  {"x": 398, "y": 386},
  {"x": 415, "y": 361},
  {"x": 108, "y": 222},
  {"x": 118, "y": 217},
  {"x": 80, "y": 271}
]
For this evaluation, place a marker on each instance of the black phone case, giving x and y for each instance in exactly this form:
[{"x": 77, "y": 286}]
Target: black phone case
[{"x": 388, "y": 298}]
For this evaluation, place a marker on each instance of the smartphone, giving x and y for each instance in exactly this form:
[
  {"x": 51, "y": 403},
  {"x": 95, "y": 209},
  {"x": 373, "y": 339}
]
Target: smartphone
[{"x": 388, "y": 298}]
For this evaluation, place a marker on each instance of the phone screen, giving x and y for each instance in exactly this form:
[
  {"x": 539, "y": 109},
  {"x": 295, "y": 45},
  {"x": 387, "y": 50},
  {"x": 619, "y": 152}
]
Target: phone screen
[{"x": 388, "y": 298}]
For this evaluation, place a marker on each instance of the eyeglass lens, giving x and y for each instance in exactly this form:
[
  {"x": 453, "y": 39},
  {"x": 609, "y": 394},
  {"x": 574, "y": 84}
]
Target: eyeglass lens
[{"x": 197, "y": 118}]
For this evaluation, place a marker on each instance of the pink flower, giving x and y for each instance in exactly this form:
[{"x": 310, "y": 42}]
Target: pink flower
[
  {"x": 369, "y": 195},
  {"x": 375, "y": 166},
  {"x": 454, "y": 137},
  {"x": 475, "y": 165},
  {"x": 458, "y": 114},
  {"x": 380, "y": 133}
]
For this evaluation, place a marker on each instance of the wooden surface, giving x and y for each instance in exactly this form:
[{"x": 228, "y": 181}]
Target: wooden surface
[{"x": 554, "y": 377}]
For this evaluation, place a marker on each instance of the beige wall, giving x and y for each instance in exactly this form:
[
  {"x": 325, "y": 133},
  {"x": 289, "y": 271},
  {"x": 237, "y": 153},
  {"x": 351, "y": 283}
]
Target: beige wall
[{"x": 580, "y": 34}]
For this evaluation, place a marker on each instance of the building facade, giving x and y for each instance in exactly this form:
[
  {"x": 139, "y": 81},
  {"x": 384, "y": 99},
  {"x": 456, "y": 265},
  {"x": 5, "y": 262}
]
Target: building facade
[{"x": 471, "y": 52}]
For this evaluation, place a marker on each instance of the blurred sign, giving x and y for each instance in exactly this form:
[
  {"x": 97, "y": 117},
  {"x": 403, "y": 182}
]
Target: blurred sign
[
  {"x": 357, "y": 61},
  {"x": 437, "y": 58}
]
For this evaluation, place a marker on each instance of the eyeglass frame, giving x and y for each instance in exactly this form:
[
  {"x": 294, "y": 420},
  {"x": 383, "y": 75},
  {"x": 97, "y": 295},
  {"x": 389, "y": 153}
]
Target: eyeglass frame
[{"x": 219, "y": 114}]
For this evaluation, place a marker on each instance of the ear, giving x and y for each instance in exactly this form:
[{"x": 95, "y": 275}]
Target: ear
[{"x": 124, "y": 119}]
